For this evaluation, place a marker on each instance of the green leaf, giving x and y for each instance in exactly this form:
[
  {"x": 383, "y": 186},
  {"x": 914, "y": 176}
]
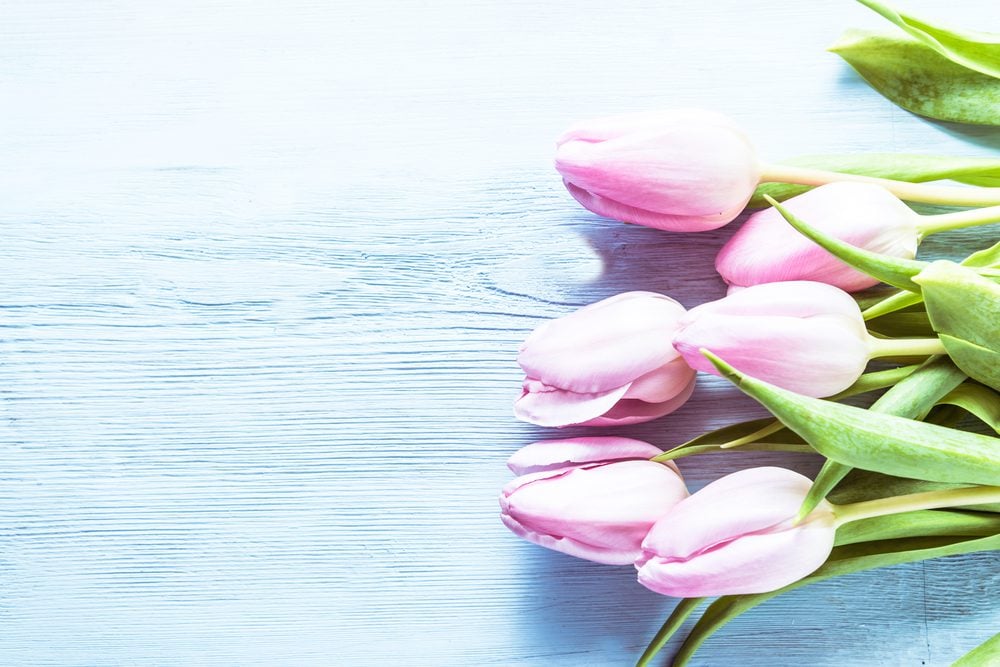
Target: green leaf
[
  {"x": 913, "y": 168},
  {"x": 873, "y": 441},
  {"x": 912, "y": 397},
  {"x": 918, "y": 79},
  {"x": 896, "y": 271},
  {"x": 980, "y": 363},
  {"x": 843, "y": 560},
  {"x": 987, "y": 653},
  {"x": 953, "y": 523},
  {"x": 670, "y": 627},
  {"x": 961, "y": 303},
  {"x": 977, "y": 51},
  {"x": 964, "y": 308},
  {"x": 981, "y": 401}
]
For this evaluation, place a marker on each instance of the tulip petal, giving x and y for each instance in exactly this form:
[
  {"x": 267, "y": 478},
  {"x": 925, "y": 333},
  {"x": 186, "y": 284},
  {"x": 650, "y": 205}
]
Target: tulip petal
[
  {"x": 815, "y": 357},
  {"x": 683, "y": 169},
  {"x": 570, "y": 546},
  {"x": 630, "y": 411},
  {"x": 746, "y": 565},
  {"x": 797, "y": 298},
  {"x": 548, "y": 406},
  {"x": 669, "y": 222},
  {"x": 605, "y": 345},
  {"x": 663, "y": 383},
  {"x": 747, "y": 501},
  {"x": 552, "y": 454},
  {"x": 610, "y": 505}
]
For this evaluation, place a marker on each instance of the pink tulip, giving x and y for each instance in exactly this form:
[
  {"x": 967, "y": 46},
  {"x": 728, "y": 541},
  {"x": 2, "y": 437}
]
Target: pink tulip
[
  {"x": 767, "y": 249},
  {"x": 736, "y": 536},
  {"x": 593, "y": 498},
  {"x": 803, "y": 336},
  {"x": 682, "y": 170},
  {"x": 609, "y": 363}
]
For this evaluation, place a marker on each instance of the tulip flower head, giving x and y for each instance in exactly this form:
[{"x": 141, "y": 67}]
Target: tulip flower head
[
  {"x": 803, "y": 336},
  {"x": 737, "y": 536},
  {"x": 593, "y": 498},
  {"x": 766, "y": 249},
  {"x": 609, "y": 363},
  {"x": 684, "y": 170}
]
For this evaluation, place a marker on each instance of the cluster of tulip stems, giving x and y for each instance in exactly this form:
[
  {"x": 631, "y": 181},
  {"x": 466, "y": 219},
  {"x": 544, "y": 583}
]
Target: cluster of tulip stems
[{"x": 909, "y": 478}]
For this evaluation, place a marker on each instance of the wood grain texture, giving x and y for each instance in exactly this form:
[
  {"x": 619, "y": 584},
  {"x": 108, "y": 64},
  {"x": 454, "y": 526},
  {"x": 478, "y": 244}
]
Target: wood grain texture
[{"x": 265, "y": 270}]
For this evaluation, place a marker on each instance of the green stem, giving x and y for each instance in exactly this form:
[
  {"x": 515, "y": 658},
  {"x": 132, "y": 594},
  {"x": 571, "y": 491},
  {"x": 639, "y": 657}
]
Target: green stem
[
  {"x": 932, "y": 224},
  {"x": 970, "y": 495},
  {"x": 918, "y": 192},
  {"x": 904, "y": 347}
]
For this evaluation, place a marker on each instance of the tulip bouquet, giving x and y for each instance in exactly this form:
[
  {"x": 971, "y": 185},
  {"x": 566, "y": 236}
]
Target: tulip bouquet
[{"x": 913, "y": 476}]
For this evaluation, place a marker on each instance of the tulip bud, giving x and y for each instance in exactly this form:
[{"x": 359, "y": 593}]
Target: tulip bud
[
  {"x": 682, "y": 170},
  {"x": 767, "y": 250},
  {"x": 803, "y": 336},
  {"x": 737, "y": 536},
  {"x": 609, "y": 363},
  {"x": 593, "y": 498}
]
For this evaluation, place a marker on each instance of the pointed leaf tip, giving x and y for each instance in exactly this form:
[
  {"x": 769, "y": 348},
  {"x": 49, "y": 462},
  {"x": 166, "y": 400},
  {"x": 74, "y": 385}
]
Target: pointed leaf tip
[{"x": 725, "y": 369}]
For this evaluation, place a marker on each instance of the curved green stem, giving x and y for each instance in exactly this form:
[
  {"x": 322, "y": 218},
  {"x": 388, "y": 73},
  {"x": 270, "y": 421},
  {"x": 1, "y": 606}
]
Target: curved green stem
[
  {"x": 918, "y": 192},
  {"x": 970, "y": 495},
  {"x": 932, "y": 224}
]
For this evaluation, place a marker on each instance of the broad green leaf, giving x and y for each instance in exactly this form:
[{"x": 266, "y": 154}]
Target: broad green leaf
[
  {"x": 979, "y": 362},
  {"x": 955, "y": 523},
  {"x": 910, "y": 167},
  {"x": 981, "y": 401},
  {"x": 912, "y": 397},
  {"x": 964, "y": 308},
  {"x": 961, "y": 303},
  {"x": 873, "y": 441},
  {"x": 670, "y": 627},
  {"x": 895, "y": 271},
  {"x": 984, "y": 258},
  {"x": 918, "y": 79},
  {"x": 843, "y": 560},
  {"x": 987, "y": 653},
  {"x": 978, "y": 51}
]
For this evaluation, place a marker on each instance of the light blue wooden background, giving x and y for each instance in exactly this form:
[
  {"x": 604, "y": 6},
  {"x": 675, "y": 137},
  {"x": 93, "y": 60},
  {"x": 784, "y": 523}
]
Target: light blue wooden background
[{"x": 265, "y": 269}]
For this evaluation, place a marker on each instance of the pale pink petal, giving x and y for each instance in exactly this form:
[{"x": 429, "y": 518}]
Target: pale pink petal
[
  {"x": 604, "y": 345},
  {"x": 746, "y": 565},
  {"x": 609, "y": 505},
  {"x": 663, "y": 383},
  {"x": 665, "y": 221},
  {"x": 551, "y": 454},
  {"x": 690, "y": 169},
  {"x": 572, "y": 547},
  {"x": 630, "y": 411},
  {"x": 547, "y": 406},
  {"x": 816, "y": 357},
  {"x": 798, "y": 298},
  {"x": 743, "y": 502}
]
